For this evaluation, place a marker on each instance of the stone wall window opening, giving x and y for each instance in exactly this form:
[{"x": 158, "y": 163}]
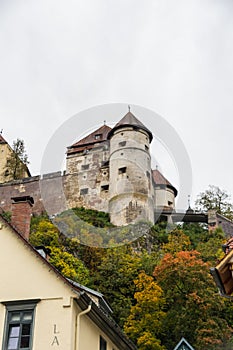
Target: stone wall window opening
[
  {"x": 122, "y": 143},
  {"x": 122, "y": 170},
  {"x": 83, "y": 191},
  {"x": 146, "y": 148},
  {"x": 169, "y": 203},
  {"x": 104, "y": 188},
  {"x": 18, "y": 332},
  {"x": 85, "y": 166},
  {"x": 103, "y": 343}
]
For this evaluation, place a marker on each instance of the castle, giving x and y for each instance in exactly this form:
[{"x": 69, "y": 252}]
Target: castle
[
  {"x": 109, "y": 170},
  {"x": 113, "y": 166}
]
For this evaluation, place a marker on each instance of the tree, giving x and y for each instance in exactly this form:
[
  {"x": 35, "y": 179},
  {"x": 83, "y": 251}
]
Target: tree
[
  {"x": 177, "y": 241},
  {"x": 17, "y": 161},
  {"x": 216, "y": 199},
  {"x": 114, "y": 278},
  {"x": 69, "y": 266},
  {"x": 43, "y": 232},
  {"x": 144, "y": 323},
  {"x": 194, "y": 310}
]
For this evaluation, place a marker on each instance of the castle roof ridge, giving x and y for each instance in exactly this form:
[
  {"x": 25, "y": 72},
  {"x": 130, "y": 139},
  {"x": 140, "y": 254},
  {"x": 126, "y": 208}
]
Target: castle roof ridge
[{"x": 91, "y": 139}]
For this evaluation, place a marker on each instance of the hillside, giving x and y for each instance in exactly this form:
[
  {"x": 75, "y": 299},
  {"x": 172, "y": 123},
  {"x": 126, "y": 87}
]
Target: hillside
[{"x": 154, "y": 284}]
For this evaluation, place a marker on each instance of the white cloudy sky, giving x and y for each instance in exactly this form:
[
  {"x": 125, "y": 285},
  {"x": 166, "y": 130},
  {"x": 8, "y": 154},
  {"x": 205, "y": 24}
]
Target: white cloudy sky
[{"x": 172, "y": 57}]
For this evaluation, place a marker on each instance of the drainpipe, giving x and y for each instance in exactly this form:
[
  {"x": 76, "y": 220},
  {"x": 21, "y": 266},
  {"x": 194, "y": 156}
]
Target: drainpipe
[{"x": 82, "y": 313}]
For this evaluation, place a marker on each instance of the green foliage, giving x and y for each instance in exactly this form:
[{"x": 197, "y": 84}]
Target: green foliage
[
  {"x": 43, "y": 232},
  {"x": 17, "y": 161},
  {"x": 182, "y": 301},
  {"x": 93, "y": 217},
  {"x": 69, "y": 266},
  {"x": 216, "y": 199},
  {"x": 114, "y": 278},
  {"x": 6, "y": 215},
  {"x": 196, "y": 232},
  {"x": 211, "y": 247}
]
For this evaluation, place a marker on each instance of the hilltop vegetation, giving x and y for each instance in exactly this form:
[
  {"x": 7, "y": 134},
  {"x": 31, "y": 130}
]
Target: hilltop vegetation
[{"x": 158, "y": 285}]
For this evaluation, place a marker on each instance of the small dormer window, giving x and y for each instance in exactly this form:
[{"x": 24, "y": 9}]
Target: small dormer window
[{"x": 98, "y": 136}]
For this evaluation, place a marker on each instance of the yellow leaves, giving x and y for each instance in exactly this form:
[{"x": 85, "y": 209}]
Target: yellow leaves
[
  {"x": 145, "y": 319},
  {"x": 177, "y": 241}
]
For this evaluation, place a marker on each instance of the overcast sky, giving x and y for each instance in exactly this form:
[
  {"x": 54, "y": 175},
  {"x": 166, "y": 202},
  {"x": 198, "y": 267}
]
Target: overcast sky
[{"x": 175, "y": 58}]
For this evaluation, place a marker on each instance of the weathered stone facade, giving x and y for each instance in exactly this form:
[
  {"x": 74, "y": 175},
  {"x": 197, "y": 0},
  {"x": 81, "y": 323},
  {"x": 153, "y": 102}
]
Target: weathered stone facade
[{"x": 109, "y": 170}]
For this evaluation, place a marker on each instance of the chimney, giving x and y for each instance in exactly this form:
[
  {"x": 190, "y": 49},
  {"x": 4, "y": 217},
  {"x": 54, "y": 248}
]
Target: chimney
[{"x": 21, "y": 214}]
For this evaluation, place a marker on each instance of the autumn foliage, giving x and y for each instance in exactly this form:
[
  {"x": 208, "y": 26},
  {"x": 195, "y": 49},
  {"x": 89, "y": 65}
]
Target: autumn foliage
[{"x": 159, "y": 287}]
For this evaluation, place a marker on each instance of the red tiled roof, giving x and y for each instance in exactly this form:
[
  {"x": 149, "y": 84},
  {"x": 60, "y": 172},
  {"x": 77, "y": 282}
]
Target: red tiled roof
[
  {"x": 159, "y": 179},
  {"x": 90, "y": 140}
]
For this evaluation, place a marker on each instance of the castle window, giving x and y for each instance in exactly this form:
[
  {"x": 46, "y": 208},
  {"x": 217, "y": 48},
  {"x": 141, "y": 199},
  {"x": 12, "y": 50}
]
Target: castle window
[
  {"x": 85, "y": 166},
  {"x": 122, "y": 170},
  {"x": 170, "y": 203},
  {"x": 84, "y": 191},
  {"x": 104, "y": 188},
  {"x": 122, "y": 143},
  {"x": 146, "y": 148},
  {"x": 98, "y": 136},
  {"x": 19, "y": 325},
  {"x": 103, "y": 343}
]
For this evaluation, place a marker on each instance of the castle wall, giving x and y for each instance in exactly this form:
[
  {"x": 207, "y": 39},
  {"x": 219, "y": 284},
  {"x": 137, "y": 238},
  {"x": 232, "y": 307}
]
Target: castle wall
[
  {"x": 91, "y": 172},
  {"x": 24, "y": 187}
]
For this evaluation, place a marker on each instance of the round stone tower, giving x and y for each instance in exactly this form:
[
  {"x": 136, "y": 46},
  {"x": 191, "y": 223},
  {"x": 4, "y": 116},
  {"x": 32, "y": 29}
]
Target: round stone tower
[{"x": 131, "y": 193}]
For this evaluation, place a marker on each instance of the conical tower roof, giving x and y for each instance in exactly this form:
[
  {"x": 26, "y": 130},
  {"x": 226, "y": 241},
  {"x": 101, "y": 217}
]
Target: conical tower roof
[{"x": 130, "y": 120}]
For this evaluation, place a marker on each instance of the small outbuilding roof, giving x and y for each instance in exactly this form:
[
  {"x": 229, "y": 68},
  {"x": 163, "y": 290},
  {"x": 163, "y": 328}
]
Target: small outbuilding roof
[{"x": 159, "y": 180}]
